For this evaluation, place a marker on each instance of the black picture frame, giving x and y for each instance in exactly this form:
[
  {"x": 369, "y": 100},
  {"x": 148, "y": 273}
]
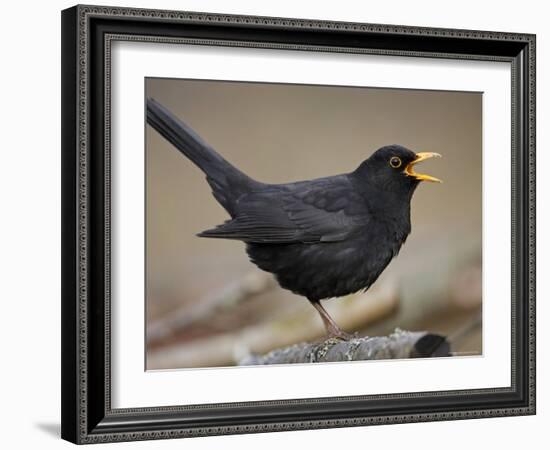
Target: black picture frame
[{"x": 87, "y": 415}]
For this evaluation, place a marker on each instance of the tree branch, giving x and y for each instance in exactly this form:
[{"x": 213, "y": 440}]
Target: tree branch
[{"x": 401, "y": 344}]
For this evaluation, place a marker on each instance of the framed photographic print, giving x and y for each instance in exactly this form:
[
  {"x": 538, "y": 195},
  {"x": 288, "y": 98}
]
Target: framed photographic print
[{"x": 255, "y": 209}]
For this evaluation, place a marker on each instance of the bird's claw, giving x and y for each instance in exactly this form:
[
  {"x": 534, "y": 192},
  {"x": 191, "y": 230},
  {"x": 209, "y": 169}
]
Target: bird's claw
[{"x": 342, "y": 335}]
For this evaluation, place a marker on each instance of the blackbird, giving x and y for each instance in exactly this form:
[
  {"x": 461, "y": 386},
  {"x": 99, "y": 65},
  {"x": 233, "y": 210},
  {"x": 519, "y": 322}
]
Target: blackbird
[{"x": 321, "y": 238}]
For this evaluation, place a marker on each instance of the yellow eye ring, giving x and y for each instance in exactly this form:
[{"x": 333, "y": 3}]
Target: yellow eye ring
[{"x": 395, "y": 162}]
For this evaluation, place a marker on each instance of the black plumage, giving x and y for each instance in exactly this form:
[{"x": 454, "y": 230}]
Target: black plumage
[{"x": 321, "y": 238}]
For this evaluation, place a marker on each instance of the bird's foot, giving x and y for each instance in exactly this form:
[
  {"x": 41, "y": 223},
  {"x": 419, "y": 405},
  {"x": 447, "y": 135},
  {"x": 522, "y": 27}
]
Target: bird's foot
[
  {"x": 333, "y": 330},
  {"x": 337, "y": 333}
]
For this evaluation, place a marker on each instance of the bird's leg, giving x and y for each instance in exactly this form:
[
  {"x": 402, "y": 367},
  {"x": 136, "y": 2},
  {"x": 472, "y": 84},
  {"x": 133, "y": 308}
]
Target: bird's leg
[{"x": 333, "y": 330}]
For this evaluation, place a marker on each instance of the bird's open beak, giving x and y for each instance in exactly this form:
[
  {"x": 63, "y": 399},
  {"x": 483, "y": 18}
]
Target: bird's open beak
[{"x": 422, "y": 156}]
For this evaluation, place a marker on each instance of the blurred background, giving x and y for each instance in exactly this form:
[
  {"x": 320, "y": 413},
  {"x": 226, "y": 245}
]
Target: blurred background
[{"x": 207, "y": 305}]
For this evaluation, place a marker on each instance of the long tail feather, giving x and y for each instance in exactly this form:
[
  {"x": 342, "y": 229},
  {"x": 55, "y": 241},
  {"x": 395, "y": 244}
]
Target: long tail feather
[{"x": 227, "y": 182}]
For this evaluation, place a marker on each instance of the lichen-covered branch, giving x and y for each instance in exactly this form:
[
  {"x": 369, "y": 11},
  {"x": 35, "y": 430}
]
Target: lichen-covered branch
[{"x": 401, "y": 344}]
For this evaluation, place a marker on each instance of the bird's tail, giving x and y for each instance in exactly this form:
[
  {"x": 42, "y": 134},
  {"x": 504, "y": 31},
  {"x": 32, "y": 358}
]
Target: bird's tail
[{"x": 227, "y": 182}]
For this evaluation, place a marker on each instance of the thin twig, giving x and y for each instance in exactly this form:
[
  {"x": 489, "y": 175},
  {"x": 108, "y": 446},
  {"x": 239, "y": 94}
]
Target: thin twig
[{"x": 229, "y": 296}]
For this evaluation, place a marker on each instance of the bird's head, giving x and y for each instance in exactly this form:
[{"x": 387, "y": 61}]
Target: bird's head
[{"x": 392, "y": 168}]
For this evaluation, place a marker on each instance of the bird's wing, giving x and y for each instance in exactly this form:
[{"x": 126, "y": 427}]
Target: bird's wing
[{"x": 326, "y": 210}]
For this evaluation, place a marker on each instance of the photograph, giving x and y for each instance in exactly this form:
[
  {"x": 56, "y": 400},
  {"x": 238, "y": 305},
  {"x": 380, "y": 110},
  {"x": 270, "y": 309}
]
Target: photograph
[
  {"x": 301, "y": 223},
  {"x": 276, "y": 222},
  {"x": 275, "y": 225}
]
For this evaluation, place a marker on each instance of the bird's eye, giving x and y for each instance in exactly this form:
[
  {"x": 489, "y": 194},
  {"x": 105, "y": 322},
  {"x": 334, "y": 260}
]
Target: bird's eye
[{"x": 395, "y": 162}]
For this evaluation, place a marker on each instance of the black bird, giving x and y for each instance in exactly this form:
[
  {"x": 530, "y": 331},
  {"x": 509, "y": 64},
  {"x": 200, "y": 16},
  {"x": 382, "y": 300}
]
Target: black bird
[{"x": 321, "y": 238}]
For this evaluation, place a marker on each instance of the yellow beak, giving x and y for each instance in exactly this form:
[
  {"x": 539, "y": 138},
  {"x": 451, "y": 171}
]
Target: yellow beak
[{"x": 422, "y": 156}]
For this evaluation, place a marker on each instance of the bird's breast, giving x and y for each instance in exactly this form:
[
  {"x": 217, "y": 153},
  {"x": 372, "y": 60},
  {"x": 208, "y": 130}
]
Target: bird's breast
[{"x": 324, "y": 270}]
